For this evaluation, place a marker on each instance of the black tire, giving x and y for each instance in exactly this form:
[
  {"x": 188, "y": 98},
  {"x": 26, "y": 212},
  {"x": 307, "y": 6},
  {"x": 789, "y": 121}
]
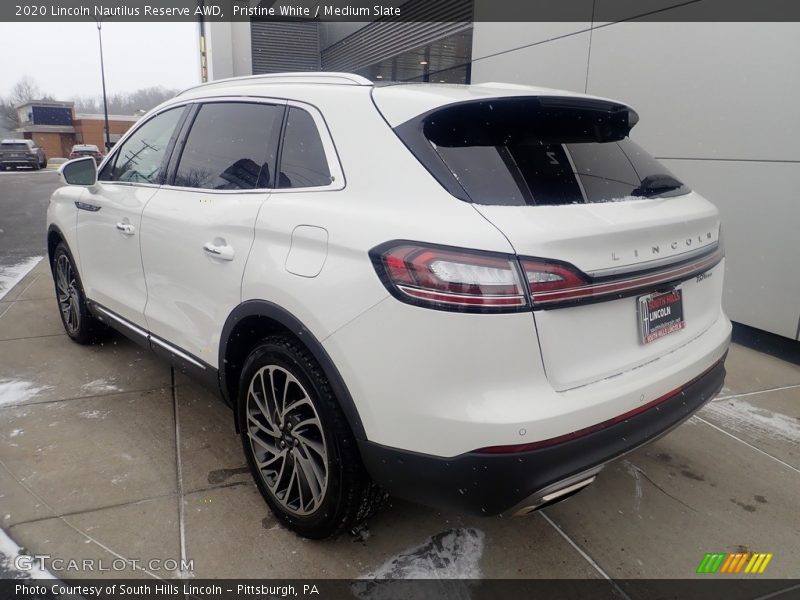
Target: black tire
[
  {"x": 79, "y": 323},
  {"x": 348, "y": 496},
  {"x": 36, "y": 166}
]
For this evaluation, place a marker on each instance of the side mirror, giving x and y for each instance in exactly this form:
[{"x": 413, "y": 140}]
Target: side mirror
[{"x": 79, "y": 171}]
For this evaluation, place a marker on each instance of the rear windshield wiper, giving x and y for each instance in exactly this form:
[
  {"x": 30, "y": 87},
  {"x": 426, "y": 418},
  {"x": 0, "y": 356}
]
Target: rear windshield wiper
[{"x": 653, "y": 185}]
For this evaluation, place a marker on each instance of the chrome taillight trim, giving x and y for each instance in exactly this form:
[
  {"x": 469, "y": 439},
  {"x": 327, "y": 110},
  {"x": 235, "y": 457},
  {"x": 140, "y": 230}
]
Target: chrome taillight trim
[{"x": 620, "y": 286}]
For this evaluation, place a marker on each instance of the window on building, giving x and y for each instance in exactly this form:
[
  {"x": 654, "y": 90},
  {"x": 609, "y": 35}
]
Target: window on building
[
  {"x": 140, "y": 158},
  {"x": 303, "y": 160},
  {"x": 231, "y": 146}
]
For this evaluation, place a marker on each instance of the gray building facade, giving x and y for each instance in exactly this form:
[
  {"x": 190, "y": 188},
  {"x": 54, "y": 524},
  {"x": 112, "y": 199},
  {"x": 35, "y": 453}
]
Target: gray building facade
[{"x": 718, "y": 105}]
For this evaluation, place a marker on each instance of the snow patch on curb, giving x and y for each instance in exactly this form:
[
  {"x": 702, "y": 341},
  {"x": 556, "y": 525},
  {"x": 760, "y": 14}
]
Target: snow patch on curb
[
  {"x": 99, "y": 386},
  {"x": 8, "y": 551},
  {"x": 743, "y": 417},
  {"x": 12, "y": 275},
  {"x": 17, "y": 391},
  {"x": 451, "y": 556}
]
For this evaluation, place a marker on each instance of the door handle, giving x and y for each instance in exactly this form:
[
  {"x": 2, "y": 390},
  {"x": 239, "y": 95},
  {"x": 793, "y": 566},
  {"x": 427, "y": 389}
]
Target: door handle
[
  {"x": 126, "y": 228},
  {"x": 223, "y": 252}
]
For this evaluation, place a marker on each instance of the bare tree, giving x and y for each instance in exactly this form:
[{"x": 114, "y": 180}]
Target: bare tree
[
  {"x": 125, "y": 103},
  {"x": 23, "y": 91}
]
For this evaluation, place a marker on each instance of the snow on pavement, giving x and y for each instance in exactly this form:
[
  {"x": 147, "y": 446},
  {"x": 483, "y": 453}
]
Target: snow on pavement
[
  {"x": 13, "y": 274},
  {"x": 450, "y": 556},
  {"x": 8, "y": 552},
  {"x": 17, "y": 391}
]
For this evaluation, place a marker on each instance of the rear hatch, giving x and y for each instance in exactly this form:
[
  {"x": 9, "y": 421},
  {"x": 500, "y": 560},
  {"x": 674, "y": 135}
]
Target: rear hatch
[
  {"x": 619, "y": 253},
  {"x": 14, "y": 150}
]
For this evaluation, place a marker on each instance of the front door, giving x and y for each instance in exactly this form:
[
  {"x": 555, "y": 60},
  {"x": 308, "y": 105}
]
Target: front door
[{"x": 109, "y": 218}]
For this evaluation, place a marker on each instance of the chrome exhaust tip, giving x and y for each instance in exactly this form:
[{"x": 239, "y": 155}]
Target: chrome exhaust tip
[{"x": 554, "y": 493}]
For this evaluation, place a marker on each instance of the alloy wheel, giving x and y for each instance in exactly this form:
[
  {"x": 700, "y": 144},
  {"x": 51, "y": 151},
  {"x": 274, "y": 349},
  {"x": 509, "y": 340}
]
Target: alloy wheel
[
  {"x": 67, "y": 291},
  {"x": 287, "y": 440}
]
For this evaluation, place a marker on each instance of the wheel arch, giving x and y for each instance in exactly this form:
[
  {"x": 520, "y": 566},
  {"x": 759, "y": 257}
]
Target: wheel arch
[
  {"x": 54, "y": 237},
  {"x": 248, "y": 324}
]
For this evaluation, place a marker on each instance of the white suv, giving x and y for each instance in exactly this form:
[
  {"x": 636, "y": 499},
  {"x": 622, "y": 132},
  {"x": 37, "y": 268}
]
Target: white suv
[{"x": 468, "y": 296}]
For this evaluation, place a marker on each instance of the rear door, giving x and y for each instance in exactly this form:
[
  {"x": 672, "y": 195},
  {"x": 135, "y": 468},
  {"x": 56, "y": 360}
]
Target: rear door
[
  {"x": 109, "y": 217},
  {"x": 619, "y": 252},
  {"x": 198, "y": 230}
]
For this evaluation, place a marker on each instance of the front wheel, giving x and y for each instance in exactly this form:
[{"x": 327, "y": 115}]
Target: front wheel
[
  {"x": 298, "y": 444},
  {"x": 78, "y": 322}
]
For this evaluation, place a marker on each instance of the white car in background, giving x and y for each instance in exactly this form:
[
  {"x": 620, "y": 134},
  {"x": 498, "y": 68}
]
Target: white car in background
[{"x": 468, "y": 296}]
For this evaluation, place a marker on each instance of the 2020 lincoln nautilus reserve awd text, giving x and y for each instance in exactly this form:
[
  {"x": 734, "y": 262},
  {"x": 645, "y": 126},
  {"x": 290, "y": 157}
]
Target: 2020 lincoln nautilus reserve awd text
[{"x": 472, "y": 297}]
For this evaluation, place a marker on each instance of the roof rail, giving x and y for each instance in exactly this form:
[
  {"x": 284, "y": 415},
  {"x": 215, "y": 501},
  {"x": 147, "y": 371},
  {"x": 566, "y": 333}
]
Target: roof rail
[{"x": 320, "y": 77}]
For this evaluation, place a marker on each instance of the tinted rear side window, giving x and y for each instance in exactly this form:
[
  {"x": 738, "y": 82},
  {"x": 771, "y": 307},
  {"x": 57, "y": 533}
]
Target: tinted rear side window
[
  {"x": 517, "y": 153},
  {"x": 230, "y": 147},
  {"x": 303, "y": 160}
]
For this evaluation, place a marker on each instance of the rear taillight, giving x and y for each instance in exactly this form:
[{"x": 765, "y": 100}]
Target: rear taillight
[
  {"x": 545, "y": 277},
  {"x": 474, "y": 281},
  {"x": 449, "y": 278}
]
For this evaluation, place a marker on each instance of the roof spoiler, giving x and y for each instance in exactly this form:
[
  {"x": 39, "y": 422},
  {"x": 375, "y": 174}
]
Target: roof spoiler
[{"x": 556, "y": 119}]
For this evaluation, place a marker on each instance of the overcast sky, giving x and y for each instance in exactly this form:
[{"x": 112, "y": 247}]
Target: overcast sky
[{"x": 64, "y": 60}]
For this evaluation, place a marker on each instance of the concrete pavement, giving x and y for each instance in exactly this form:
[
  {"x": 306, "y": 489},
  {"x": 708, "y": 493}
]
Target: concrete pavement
[{"x": 106, "y": 454}]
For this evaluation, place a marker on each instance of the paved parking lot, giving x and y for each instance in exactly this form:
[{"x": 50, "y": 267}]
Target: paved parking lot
[
  {"x": 106, "y": 453},
  {"x": 23, "y": 205}
]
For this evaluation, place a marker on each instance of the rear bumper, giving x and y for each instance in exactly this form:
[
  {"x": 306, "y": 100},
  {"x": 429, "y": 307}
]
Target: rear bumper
[{"x": 489, "y": 484}]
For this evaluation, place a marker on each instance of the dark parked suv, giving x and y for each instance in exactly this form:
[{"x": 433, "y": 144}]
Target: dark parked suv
[{"x": 21, "y": 153}]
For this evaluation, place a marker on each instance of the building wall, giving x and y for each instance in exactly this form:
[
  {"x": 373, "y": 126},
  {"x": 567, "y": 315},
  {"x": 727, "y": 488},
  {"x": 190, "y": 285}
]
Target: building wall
[
  {"x": 228, "y": 49},
  {"x": 54, "y": 144},
  {"x": 718, "y": 106},
  {"x": 92, "y": 131},
  {"x": 284, "y": 46}
]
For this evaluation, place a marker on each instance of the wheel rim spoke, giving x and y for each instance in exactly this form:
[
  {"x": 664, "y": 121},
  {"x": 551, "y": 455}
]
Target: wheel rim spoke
[
  {"x": 287, "y": 440},
  {"x": 314, "y": 445},
  {"x": 310, "y": 473}
]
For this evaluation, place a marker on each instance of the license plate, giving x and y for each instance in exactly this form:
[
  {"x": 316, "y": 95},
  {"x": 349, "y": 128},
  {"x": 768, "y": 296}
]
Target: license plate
[{"x": 660, "y": 314}]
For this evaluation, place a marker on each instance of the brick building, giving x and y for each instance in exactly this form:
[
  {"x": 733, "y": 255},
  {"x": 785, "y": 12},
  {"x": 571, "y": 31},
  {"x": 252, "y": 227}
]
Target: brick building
[{"x": 56, "y": 127}]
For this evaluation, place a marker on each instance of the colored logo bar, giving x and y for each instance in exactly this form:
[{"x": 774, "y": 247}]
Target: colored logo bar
[{"x": 737, "y": 562}]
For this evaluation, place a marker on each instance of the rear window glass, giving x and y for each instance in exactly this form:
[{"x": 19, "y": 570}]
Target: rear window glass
[
  {"x": 14, "y": 146},
  {"x": 303, "y": 160},
  {"x": 519, "y": 153}
]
